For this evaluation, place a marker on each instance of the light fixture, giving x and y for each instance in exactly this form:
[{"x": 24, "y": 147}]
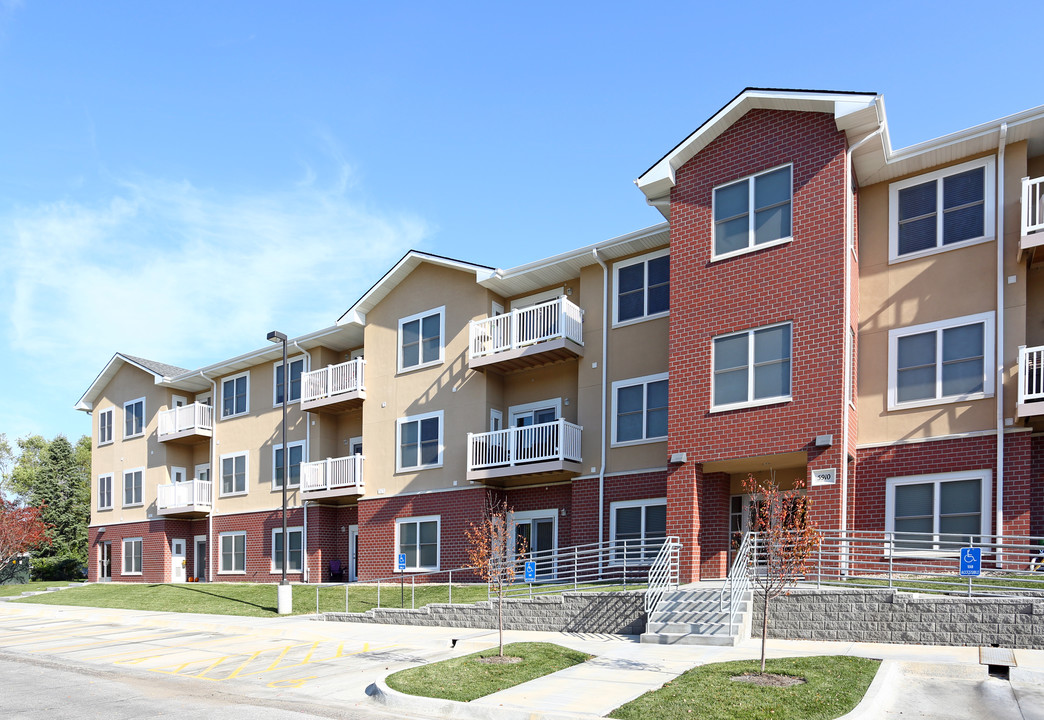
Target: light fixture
[{"x": 284, "y": 596}]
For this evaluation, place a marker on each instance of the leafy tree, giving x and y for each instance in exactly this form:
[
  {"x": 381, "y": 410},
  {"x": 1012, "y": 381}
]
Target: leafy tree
[
  {"x": 784, "y": 544},
  {"x": 492, "y": 553},
  {"x": 31, "y": 449},
  {"x": 6, "y": 459},
  {"x": 21, "y": 530}
]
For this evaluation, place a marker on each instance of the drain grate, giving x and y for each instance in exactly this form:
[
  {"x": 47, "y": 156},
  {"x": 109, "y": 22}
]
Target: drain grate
[{"x": 998, "y": 661}]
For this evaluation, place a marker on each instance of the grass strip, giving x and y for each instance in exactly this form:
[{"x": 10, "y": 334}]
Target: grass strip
[
  {"x": 15, "y": 589},
  {"x": 465, "y": 678},
  {"x": 835, "y": 685}
]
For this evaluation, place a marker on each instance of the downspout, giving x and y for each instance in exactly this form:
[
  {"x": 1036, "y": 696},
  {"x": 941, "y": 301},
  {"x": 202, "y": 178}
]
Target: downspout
[
  {"x": 213, "y": 469},
  {"x": 286, "y": 454},
  {"x": 604, "y": 421},
  {"x": 999, "y": 380}
]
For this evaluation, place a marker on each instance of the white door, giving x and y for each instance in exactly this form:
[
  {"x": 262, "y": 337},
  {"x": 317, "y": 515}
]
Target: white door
[
  {"x": 177, "y": 561},
  {"x": 177, "y": 474},
  {"x": 353, "y": 552},
  {"x": 200, "y": 568},
  {"x": 536, "y": 537},
  {"x": 355, "y": 444},
  {"x": 177, "y": 401},
  {"x": 203, "y": 472}
]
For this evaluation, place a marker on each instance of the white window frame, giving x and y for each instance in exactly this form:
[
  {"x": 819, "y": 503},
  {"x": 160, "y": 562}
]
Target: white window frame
[
  {"x": 144, "y": 419},
  {"x": 441, "y": 311},
  {"x": 221, "y": 552},
  {"x": 527, "y": 517},
  {"x": 275, "y": 569},
  {"x": 233, "y": 378},
  {"x": 304, "y": 458},
  {"x": 632, "y": 382},
  {"x": 103, "y": 480},
  {"x": 124, "y": 555},
  {"x": 399, "y": 422},
  {"x": 749, "y": 402},
  {"x": 352, "y": 442},
  {"x": 751, "y": 247},
  {"x": 174, "y": 470},
  {"x": 111, "y": 412},
  {"x": 644, "y": 260},
  {"x": 525, "y": 408},
  {"x": 535, "y": 299},
  {"x": 989, "y": 209},
  {"x": 985, "y": 476},
  {"x": 624, "y": 504},
  {"x": 202, "y": 466},
  {"x": 437, "y": 519},
  {"x": 496, "y": 417},
  {"x": 221, "y": 474},
  {"x": 275, "y": 384},
  {"x": 123, "y": 488},
  {"x": 988, "y": 354}
]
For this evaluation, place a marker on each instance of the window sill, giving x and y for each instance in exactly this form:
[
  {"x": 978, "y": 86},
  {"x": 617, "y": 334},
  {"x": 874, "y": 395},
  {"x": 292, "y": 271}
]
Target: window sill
[
  {"x": 751, "y": 249},
  {"x": 914, "y": 404},
  {"x": 434, "y": 568},
  {"x": 107, "y": 508},
  {"x": 894, "y": 259},
  {"x": 132, "y": 437},
  {"x": 278, "y": 405},
  {"x": 643, "y": 318},
  {"x": 233, "y": 494},
  {"x": 414, "y": 368},
  {"x": 291, "y": 571},
  {"x": 753, "y": 404},
  {"x": 136, "y": 574},
  {"x": 923, "y": 554},
  {"x": 401, "y": 470},
  {"x": 289, "y": 488},
  {"x": 132, "y": 505},
  {"x": 103, "y": 444},
  {"x": 231, "y": 572},
  {"x": 631, "y": 443},
  {"x": 239, "y": 414}
]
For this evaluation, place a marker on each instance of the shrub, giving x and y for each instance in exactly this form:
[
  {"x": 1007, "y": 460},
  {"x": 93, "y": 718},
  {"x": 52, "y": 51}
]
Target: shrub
[{"x": 58, "y": 568}]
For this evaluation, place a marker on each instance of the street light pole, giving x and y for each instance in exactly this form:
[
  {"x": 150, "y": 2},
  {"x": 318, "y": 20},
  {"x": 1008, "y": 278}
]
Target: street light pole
[{"x": 284, "y": 593}]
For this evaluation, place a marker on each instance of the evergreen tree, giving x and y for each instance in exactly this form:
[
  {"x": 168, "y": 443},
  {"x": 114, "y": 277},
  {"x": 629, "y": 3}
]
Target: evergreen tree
[{"x": 55, "y": 478}]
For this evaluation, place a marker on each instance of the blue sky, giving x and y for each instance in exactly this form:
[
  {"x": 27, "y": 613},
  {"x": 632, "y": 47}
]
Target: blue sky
[{"x": 176, "y": 179}]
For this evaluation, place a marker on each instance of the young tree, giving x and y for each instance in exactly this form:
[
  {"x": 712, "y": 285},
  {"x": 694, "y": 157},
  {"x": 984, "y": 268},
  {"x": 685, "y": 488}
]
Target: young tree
[
  {"x": 493, "y": 553},
  {"x": 21, "y": 530},
  {"x": 6, "y": 458},
  {"x": 785, "y": 543}
]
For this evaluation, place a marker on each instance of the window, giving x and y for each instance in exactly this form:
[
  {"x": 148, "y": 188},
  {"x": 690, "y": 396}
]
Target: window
[
  {"x": 233, "y": 474},
  {"x": 944, "y": 209},
  {"x": 643, "y": 287},
  {"x": 947, "y": 361},
  {"x": 134, "y": 418},
  {"x": 233, "y": 552},
  {"x": 297, "y": 450},
  {"x": 132, "y": 556},
  {"x": 105, "y": 492},
  {"x": 235, "y": 392},
  {"x": 638, "y": 528},
  {"x": 294, "y": 538},
  {"x": 132, "y": 487},
  {"x": 751, "y": 367},
  {"x": 297, "y": 368},
  {"x": 938, "y": 512},
  {"x": 640, "y": 409},
  {"x": 105, "y": 426},
  {"x": 420, "y": 339},
  {"x": 419, "y": 439},
  {"x": 419, "y": 539},
  {"x": 753, "y": 212}
]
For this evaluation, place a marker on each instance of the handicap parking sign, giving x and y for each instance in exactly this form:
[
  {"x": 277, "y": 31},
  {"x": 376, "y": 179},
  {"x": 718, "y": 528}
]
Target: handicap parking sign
[
  {"x": 971, "y": 561},
  {"x": 402, "y": 561},
  {"x": 530, "y": 571}
]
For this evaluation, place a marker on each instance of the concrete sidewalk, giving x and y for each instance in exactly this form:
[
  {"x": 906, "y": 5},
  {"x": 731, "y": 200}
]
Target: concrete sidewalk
[{"x": 916, "y": 681}]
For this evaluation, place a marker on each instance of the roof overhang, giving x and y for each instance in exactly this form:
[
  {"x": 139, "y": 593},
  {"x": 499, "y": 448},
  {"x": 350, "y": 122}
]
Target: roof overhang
[{"x": 86, "y": 401}]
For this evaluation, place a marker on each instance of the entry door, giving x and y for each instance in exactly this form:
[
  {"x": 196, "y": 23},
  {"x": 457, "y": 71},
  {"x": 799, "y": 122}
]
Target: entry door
[
  {"x": 105, "y": 562},
  {"x": 355, "y": 444},
  {"x": 353, "y": 553},
  {"x": 203, "y": 472},
  {"x": 201, "y": 559},
  {"x": 535, "y": 444},
  {"x": 535, "y": 535},
  {"x": 177, "y": 561}
]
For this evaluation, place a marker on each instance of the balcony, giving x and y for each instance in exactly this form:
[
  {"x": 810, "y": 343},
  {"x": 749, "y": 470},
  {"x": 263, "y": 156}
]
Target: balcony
[
  {"x": 1031, "y": 381},
  {"x": 334, "y": 388},
  {"x": 192, "y": 499},
  {"x": 528, "y": 337},
  {"x": 188, "y": 424},
  {"x": 531, "y": 451},
  {"x": 336, "y": 480},
  {"x": 1032, "y": 223}
]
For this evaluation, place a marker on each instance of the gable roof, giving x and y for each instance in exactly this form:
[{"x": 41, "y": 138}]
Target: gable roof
[{"x": 158, "y": 370}]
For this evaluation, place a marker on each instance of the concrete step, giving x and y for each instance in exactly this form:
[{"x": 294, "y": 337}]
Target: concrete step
[
  {"x": 688, "y": 639},
  {"x": 696, "y": 628}
]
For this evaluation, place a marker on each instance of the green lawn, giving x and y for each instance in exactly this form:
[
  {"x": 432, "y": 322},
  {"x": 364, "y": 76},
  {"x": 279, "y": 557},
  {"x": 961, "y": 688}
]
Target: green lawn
[
  {"x": 465, "y": 678},
  {"x": 835, "y": 686},
  {"x": 16, "y": 589},
  {"x": 954, "y": 585}
]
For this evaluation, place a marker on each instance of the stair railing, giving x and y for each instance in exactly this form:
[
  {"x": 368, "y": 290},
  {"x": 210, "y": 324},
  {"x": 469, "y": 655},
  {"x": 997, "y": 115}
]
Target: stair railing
[
  {"x": 738, "y": 582},
  {"x": 663, "y": 573}
]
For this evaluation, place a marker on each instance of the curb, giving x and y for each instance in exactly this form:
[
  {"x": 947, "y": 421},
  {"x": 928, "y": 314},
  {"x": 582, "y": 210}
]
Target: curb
[{"x": 884, "y": 684}]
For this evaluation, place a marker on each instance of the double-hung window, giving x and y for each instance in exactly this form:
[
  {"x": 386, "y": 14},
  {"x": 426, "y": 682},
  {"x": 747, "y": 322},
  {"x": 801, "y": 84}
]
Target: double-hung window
[
  {"x": 643, "y": 287},
  {"x": 235, "y": 393},
  {"x": 418, "y": 539},
  {"x": 233, "y": 552},
  {"x": 752, "y": 367},
  {"x": 105, "y": 492},
  {"x": 421, "y": 339},
  {"x": 132, "y": 556},
  {"x": 753, "y": 212},
  {"x": 640, "y": 409},
  {"x": 278, "y": 459},
  {"x": 105, "y": 426},
  {"x": 940, "y": 210},
  {"x": 940, "y": 362},
  {"x": 419, "y": 441},
  {"x": 132, "y": 487},
  {"x": 938, "y": 512},
  {"x": 233, "y": 474},
  {"x": 134, "y": 418},
  {"x": 294, "y": 537},
  {"x": 297, "y": 368},
  {"x": 638, "y": 528}
]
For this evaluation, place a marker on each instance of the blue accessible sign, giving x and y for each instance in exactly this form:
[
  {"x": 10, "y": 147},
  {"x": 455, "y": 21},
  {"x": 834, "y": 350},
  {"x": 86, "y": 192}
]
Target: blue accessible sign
[
  {"x": 530, "y": 571},
  {"x": 971, "y": 562},
  {"x": 402, "y": 561}
]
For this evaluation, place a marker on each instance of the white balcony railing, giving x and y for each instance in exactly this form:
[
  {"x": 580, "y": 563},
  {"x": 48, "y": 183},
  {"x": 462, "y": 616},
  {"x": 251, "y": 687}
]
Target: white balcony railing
[
  {"x": 333, "y": 380},
  {"x": 1031, "y": 374},
  {"x": 1032, "y": 205},
  {"x": 332, "y": 474},
  {"x": 194, "y": 493},
  {"x": 558, "y": 440},
  {"x": 558, "y": 318},
  {"x": 195, "y": 416}
]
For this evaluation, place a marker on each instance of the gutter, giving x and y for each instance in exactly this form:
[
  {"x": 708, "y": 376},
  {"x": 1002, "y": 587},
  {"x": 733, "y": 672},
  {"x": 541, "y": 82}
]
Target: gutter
[
  {"x": 213, "y": 473},
  {"x": 999, "y": 358},
  {"x": 605, "y": 358},
  {"x": 286, "y": 462}
]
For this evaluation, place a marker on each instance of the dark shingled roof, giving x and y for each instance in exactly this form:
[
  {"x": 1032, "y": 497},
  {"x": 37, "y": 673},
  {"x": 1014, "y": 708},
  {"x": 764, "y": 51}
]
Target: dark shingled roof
[{"x": 157, "y": 367}]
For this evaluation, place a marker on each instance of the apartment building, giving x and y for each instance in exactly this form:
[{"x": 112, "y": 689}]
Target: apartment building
[{"x": 816, "y": 306}]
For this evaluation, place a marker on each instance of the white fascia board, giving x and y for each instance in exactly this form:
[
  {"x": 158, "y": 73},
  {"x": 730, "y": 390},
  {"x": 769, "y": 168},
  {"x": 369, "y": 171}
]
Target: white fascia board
[{"x": 86, "y": 401}]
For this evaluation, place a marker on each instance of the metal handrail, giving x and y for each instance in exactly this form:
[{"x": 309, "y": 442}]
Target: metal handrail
[
  {"x": 399, "y": 578},
  {"x": 663, "y": 574},
  {"x": 738, "y": 581}
]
